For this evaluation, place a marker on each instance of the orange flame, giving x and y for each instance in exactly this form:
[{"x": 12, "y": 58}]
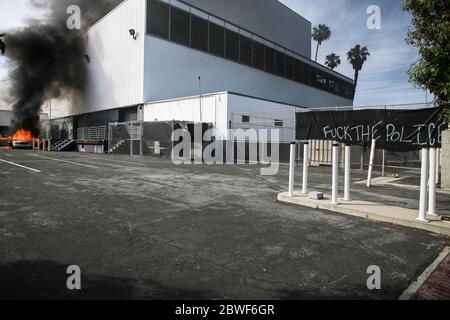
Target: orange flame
[{"x": 22, "y": 135}]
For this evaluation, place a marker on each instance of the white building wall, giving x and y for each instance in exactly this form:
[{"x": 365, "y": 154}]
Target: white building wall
[
  {"x": 172, "y": 71},
  {"x": 262, "y": 115},
  {"x": 6, "y": 118},
  {"x": 213, "y": 110},
  {"x": 225, "y": 111},
  {"x": 117, "y": 61},
  {"x": 5, "y": 103},
  {"x": 116, "y": 68}
]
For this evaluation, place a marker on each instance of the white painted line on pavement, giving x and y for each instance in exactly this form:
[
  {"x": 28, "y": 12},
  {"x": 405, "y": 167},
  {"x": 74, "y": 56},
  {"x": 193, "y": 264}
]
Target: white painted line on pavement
[
  {"x": 409, "y": 293},
  {"x": 20, "y": 166},
  {"x": 66, "y": 161},
  {"x": 107, "y": 159}
]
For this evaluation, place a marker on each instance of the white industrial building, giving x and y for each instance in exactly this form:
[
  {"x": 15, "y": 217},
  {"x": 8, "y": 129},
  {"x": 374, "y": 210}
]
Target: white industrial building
[{"x": 209, "y": 61}]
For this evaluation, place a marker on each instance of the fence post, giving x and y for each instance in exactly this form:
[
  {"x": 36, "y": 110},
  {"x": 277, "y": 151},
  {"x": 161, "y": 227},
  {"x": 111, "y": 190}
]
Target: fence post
[
  {"x": 130, "y": 133},
  {"x": 109, "y": 138},
  {"x": 292, "y": 170},
  {"x": 423, "y": 186},
  {"x": 141, "y": 142},
  {"x": 432, "y": 183},
  {"x": 305, "y": 167},
  {"x": 335, "y": 182},
  {"x": 347, "y": 173},
  {"x": 362, "y": 159},
  {"x": 372, "y": 158}
]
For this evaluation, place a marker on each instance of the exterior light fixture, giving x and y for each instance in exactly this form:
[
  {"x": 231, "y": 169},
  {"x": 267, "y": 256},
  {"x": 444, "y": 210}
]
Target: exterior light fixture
[{"x": 133, "y": 33}]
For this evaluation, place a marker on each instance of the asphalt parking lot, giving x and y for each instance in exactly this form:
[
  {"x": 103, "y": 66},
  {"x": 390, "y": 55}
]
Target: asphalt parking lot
[{"x": 141, "y": 228}]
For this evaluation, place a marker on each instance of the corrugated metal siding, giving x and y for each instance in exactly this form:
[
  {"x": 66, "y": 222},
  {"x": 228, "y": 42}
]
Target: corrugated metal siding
[{"x": 116, "y": 70}]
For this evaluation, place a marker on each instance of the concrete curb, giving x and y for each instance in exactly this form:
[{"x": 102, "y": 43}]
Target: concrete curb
[
  {"x": 409, "y": 293},
  {"x": 372, "y": 211}
]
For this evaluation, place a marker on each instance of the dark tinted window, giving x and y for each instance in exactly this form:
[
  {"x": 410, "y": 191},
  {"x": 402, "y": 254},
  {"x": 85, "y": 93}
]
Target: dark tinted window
[
  {"x": 158, "y": 18},
  {"x": 216, "y": 39},
  {"x": 335, "y": 85},
  {"x": 280, "y": 64},
  {"x": 245, "y": 119},
  {"x": 199, "y": 33},
  {"x": 258, "y": 55},
  {"x": 179, "y": 26},
  {"x": 321, "y": 81},
  {"x": 279, "y": 123},
  {"x": 232, "y": 45},
  {"x": 298, "y": 71},
  {"x": 246, "y": 50},
  {"x": 306, "y": 74},
  {"x": 270, "y": 60},
  {"x": 290, "y": 67}
]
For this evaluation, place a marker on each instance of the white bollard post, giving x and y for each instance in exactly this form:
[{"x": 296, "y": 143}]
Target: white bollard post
[
  {"x": 335, "y": 174},
  {"x": 305, "y": 168},
  {"x": 423, "y": 186},
  {"x": 292, "y": 170},
  {"x": 432, "y": 186},
  {"x": 347, "y": 173},
  {"x": 372, "y": 159}
]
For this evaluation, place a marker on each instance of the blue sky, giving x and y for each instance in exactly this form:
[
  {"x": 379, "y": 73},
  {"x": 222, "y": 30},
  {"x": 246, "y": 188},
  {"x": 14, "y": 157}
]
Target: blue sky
[{"x": 384, "y": 78}]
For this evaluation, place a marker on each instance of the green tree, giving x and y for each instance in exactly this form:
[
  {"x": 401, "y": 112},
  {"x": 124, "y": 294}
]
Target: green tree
[
  {"x": 357, "y": 56},
  {"x": 2, "y": 44},
  {"x": 430, "y": 34},
  {"x": 332, "y": 61},
  {"x": 320, "y": 34}
]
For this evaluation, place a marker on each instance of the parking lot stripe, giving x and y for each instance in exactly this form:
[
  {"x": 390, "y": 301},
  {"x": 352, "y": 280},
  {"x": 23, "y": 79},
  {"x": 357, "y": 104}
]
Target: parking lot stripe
[
  {"x": 106, "y": 159},
  {"x": 66, "y": 161},
  {"x": 20, "y": 166}
]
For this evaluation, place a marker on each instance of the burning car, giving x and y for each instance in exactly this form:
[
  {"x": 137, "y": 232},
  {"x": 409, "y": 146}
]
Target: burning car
[{"x": 22, "y": 139}]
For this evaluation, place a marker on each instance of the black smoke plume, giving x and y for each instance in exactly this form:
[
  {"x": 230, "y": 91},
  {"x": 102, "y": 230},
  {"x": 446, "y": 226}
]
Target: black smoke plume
[{"x": 47, "y": 58}]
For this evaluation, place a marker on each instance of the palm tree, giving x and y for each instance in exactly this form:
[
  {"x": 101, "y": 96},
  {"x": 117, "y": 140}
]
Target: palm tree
[
  {"x": 332, "y": 61},
  {"x": 356, "y": 57},
  {"x": 2, "y": 44},
  {"x": 320, "y": 34}
]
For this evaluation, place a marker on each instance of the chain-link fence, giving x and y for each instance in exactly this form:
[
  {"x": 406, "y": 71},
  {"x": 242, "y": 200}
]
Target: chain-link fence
[
  {"x": 384, "y": 161},
  {"x": 141, "y": 138},
  {"x": 147, "y": 138}
]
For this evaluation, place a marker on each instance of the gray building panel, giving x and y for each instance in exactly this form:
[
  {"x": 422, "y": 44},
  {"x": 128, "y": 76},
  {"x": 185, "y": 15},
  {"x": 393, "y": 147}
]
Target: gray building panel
[
  {"x": 172, "y": 71},
  {"x": 268, "y": 18}
]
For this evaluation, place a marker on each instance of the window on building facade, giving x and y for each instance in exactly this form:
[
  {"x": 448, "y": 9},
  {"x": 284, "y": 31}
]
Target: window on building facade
[
  {"x": 280, "y": 64},
  {"x": 270, "y": 60},
  {"x": 194, "y": 30},
  {"x": 245, "y": 119},
  {"x": 306, "y": 74},
  {"x": 232, "y": 45},
  {"x": 216, "y": 39},
  {"x": 290, "y": 67},
  {"x": 246, "y": 45},
  {"x": 258, "y": 55},
  {"x": 199, "y": 33},
  {"x": 158, "y": 18},
  {"x": 179, "y": 26},
  {"x": 278, "y": 123},
  {"x": 298, "y": 70}
]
